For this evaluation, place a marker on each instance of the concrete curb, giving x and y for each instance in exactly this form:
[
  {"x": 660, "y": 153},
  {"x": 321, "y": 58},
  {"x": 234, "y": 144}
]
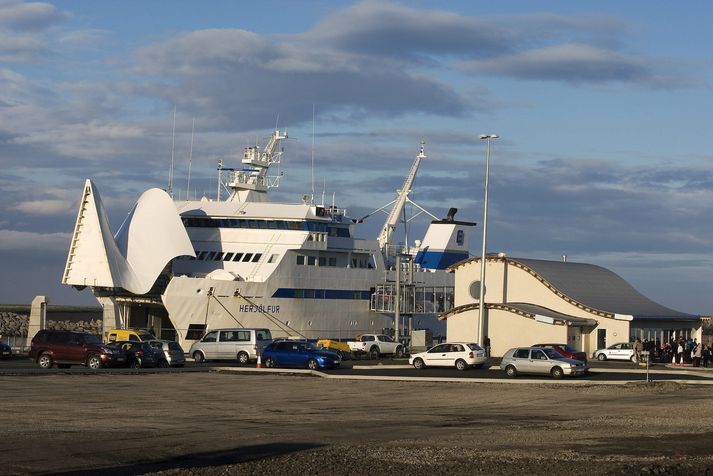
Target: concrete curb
[{"x": 565, "y": 381}]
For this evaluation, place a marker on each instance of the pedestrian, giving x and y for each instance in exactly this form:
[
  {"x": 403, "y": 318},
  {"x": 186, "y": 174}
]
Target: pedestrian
[
  {"x": 486, "y": 344},
  {"x": 636, "y": 347},
  {"x": 706, "y": 355},
  {"x": 697, "y": 354}
]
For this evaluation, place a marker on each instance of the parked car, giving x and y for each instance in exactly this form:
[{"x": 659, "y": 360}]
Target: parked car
[
  {"x": 540, "y": 360},
  {"x": 141, "y": 354},
  {"x": 140, "y": 335},
  {"x": 230, "y": 344},
  {"x": 289, "y": 353},
  {"x": 461, "y": 355},
  {"x": 5, "y": 351},
  {"x": 566, "y": 351},
  {"x": 66, "y": 348},
  {"x": 620, "y": 351},
  {"x": 340, "y": 348},
  {"x": 172, "y": 351},
  {"x": 376, "y": 345}
]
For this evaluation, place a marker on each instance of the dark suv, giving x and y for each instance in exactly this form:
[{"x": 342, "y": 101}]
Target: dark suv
[{"x": 66, "y": 348}]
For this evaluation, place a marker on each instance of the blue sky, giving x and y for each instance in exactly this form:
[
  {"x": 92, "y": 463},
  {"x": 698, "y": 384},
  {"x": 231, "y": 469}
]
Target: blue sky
[{"x": 606, "y": 152}]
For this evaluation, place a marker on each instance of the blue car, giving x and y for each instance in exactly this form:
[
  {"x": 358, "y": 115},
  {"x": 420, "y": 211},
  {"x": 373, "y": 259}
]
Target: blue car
[{"x": 298, "y": 354}]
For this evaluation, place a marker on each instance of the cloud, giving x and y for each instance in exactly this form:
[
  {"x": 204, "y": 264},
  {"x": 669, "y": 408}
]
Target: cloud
[
  {"x": 13, "y": 240},
  {"x": 25, "y": 16},
  {"x": 573, "y": 63}
]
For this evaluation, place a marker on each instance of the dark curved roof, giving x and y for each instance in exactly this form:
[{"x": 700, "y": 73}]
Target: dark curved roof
[{"x": 599, "y": 288}]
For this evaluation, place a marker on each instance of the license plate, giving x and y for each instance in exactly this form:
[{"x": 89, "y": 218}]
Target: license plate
[
  {"x": 5, "y": 352},
  {"x": 120, "y": 359}
]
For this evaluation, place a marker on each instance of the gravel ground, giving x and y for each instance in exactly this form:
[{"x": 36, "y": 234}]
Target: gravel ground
[{"x": 205, "y": 424}]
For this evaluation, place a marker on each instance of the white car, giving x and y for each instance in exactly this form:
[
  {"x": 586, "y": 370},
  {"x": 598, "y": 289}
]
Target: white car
[
  {"x": 460, "y": 355},
  {"x": 620, "y": 351}
]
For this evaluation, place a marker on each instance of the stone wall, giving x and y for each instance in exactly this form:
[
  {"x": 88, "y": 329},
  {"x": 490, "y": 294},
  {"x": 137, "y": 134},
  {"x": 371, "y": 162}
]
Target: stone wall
[{"x": 15, "y": 325}]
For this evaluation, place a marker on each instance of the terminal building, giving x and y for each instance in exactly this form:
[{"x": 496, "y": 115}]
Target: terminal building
[{"x": 530, "y": 301}]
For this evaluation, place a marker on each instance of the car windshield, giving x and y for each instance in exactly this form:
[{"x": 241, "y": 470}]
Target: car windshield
[
  {"x": 311, "y": 347},
  {"x": 92, "y": 339},
  {"x": 474, "y": 347},
  {"x": 552, "y": 353}
]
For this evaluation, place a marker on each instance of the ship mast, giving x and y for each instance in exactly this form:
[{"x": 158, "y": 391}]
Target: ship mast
[
  {"x": 387, "y": 231},
  {"x": 252, "y": 181}
]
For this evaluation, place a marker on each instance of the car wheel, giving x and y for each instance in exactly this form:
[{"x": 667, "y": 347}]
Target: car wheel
[
  {"x": 601, "y": 357},
  {"x": 312, "y": 364},
  {"x": 270, "y": 363},
  {"x": 163, "y": 363},
  {"x": 399, "y": 352},
  {"x": 198, "y": 357},
  {"x": 94, "y": 362},
  {"x": 419, "y": 364},
  {"x": 461, "y": 365},
  {"x": 374, "y": 353},
  {"x": 243, "y": 358},
  {"x": 45, "y": 361},
  {"x": 510, "y": 371},
  {"x": 557, "y": 372}
]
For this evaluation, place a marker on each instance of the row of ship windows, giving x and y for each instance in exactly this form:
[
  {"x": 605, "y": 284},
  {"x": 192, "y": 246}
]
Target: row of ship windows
[
  {"x": 205, "y": 222},
  {"x": 321, "y": 294},
  {"x": 231, "y": 256},
  {"x": 331, "y": 261}
]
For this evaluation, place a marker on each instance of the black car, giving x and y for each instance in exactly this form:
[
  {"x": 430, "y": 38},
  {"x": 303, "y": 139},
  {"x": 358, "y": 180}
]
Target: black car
[
  {"x": 5, "y": 351},
  {"x": 141, "y": 354}
]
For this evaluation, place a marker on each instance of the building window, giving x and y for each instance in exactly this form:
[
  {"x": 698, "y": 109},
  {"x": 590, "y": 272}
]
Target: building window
[
  {"x": 273, "y": 258},
  {"x": 300, "y": 259},
  {"x": 311, "y": 260}
]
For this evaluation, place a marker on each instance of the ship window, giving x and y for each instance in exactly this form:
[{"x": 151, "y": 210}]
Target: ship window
[
  {"x": 273, "y": 258},
  {"x": 218, "y": 256},
  {"x": 311, "y": 260},
  {"x": 294, "y": 225},
  {"x": 237, "y": 257},
  {"x": 261, "y": 224},
  {"x": 354, "y": 262},
  {"x": 257, "y": 257},
  {"x": 210, "y": 256},
  {"x": 247, "y": 257},
  {"x": 309, "y": 293},
  {"x": 228, "y": 257},
  {"x": 333, "y": 261},
  {"x": 272, "y": 224},
  {"x": 253, "y": 223},
  {"x": 299, "y": 293},
  {"x": 322, "y": 261},
  {"x": 300, "y": 259},
  {"x": 202, "y": 255},
  {"x": 460, "y": 237}
]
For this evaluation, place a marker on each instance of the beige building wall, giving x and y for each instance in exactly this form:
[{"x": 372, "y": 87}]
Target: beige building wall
[
  {"x": 507, "y": 283},
  {"x": 507, "y": 330}
]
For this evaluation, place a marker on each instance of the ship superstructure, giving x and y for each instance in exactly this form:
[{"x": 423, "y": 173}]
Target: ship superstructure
[{"x": 296, "y": 268}]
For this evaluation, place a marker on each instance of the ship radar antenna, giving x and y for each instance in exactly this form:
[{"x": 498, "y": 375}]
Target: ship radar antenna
[
  {"x": 190, "y": 159},
  {"x": 173, "y": 144},
  {"x": 312, "y": 198}
]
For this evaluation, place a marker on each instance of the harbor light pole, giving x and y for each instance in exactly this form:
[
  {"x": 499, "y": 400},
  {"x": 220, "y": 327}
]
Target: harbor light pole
[{"x": 481, "y": 297}]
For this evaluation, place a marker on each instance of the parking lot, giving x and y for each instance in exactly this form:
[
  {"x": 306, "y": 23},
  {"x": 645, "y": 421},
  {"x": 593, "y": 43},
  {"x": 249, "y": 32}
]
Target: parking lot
[{"x": 199, "y": 422}]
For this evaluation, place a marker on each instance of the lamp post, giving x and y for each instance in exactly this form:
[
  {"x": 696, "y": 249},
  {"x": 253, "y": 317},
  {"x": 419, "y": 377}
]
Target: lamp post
[{"x": 481, "y": 304}]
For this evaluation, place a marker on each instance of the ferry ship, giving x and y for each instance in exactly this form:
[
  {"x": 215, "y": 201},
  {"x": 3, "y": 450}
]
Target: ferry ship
[{"x": 183, "y": 267}]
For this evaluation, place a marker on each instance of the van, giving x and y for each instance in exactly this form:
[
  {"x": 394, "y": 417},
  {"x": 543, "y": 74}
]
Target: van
[
  {"x": 230, "y": 344},
  {"x": 137, "y": 335}
]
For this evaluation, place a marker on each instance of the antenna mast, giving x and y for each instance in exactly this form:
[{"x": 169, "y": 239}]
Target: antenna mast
[
  {"x": 190, "y": 159},
  {"x": 312, "y": 197},
  {"x": 173, "y": 145}
]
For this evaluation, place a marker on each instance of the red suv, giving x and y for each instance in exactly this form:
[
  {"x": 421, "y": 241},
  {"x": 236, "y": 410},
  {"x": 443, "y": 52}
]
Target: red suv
[
  {"x": 66, "y": 348},
  {"x": 566, "y": 351}
]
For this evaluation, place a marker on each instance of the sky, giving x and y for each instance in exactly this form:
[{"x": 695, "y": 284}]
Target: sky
[{"x": 603, "y": 110}]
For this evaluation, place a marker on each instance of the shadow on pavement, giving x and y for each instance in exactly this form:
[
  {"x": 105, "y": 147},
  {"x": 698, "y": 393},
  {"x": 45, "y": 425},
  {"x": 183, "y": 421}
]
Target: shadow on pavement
[{"x": 201, "y": 460}]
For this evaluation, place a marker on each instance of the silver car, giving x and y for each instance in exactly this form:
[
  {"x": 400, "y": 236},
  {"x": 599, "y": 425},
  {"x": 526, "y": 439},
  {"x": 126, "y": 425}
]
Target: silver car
[
  {"x": 172, "y": 350},
  {"x": 540, "y": 360}
]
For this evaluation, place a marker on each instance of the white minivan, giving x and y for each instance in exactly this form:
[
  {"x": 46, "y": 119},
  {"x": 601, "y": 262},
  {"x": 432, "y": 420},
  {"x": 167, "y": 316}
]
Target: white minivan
[{"x": 230, "y": 344}]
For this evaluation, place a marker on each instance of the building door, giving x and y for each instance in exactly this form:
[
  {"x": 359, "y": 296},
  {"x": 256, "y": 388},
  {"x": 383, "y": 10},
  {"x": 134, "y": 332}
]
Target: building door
[{"x": 601, "y": 338}]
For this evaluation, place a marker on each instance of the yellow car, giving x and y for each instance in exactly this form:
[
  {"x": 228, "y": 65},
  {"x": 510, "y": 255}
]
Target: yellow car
[
  {"x": 340, "y": 348},
  {"x": 140, "y": 335}
]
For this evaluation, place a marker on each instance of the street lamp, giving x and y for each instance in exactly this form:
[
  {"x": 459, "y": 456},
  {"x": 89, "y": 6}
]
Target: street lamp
[{"x": 481, "y": 304}]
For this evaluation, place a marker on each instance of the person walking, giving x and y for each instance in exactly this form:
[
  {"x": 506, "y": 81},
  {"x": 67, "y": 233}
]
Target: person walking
[{"x": 706, "y": 355}]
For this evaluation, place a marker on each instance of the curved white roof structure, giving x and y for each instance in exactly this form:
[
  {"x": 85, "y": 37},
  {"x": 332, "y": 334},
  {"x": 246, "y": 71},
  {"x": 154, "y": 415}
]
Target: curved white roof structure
[{"x": 150, "y": 237}]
